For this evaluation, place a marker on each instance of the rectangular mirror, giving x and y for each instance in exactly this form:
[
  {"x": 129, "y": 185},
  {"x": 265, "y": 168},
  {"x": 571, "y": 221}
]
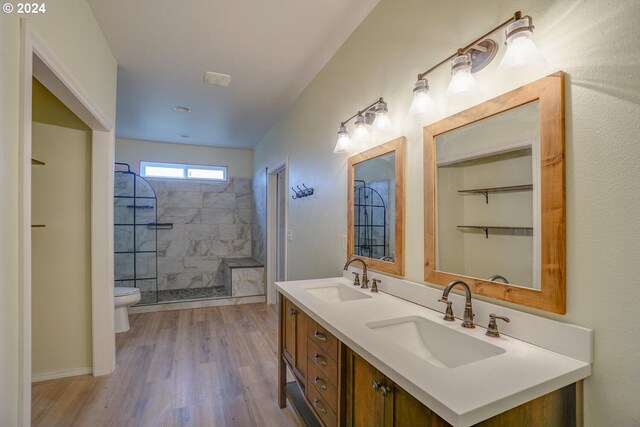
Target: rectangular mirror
[
  {"x": 494, "y": 197},
  {"x": 376, "y": 207}
]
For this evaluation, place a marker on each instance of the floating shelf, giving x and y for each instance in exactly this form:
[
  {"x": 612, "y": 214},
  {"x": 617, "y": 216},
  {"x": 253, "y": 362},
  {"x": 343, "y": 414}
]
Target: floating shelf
[
  {"x": 37, "y": 162},
  {"x": 485, "y": 191},
  {"x": 486, "y": 228},
  {"x": 38, "y": 225}
]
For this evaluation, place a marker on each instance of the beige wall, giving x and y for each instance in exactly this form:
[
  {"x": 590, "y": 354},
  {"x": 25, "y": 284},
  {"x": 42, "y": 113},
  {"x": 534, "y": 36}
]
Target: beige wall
[
  {"x": 239, "y": 162},
  {"x": 595, "y": 42},
  {"x": 61, "y": 252},
  {"x": 71, "y": 32}
]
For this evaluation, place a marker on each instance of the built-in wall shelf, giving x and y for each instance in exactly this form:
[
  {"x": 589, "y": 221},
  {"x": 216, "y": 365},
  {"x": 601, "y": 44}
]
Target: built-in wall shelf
[
  {"x": 486, "y": 228},
  {"x": 38, "y": 225},
  {"x": 37, "y": 162},
  {"x": 506, "y": 189}
]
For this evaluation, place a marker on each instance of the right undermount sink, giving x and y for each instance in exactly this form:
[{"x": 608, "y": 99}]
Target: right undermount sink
[
  {"x": 335, "y": 292},
  {"x": 436, "y": 343}
]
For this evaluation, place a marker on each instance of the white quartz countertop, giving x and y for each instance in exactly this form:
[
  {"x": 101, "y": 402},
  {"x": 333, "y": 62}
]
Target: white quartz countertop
[{"x": 464, "y": 395}]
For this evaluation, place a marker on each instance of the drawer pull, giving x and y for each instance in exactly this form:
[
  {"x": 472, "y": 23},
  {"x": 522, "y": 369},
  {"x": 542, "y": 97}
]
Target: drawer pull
[
  {"x": 320, "y": 336},
  {"x": 292, "y": 311},
  {"x": 318, "y": 406},
  {"x": 317, "y": 381},
  {"x": 320, "y": 360},
  {"x": 376, "y": 385}
]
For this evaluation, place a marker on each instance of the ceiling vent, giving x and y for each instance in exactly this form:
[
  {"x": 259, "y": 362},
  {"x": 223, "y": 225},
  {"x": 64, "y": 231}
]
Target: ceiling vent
[{"x": 217, "y": 79}]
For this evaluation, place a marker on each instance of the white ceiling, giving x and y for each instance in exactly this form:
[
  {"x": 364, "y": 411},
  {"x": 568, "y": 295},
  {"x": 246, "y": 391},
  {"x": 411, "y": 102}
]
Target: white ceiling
[{"x": 271, "y": 48}]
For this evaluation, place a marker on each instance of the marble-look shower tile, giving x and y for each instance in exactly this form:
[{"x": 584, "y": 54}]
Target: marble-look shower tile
[
  {"x": 184, "y": 199},
  {"x": 180, "y": 248},
  {"x": 228, "y": 231},
  {"x": 242, "y": 216},
  {"x": 201, "y": 231},
  {"x": 145, "y": 265},
  {"x": 122, "y": 238},
  {"x": 242, "y": 248},
  {"x": 179, "y": 215},
  {"x": 122, "y": 214},
  {"x": 243, "y": 201},
  {"x": 184, "y": 280},
  {"x": 146, "y": 285},
  {"x": 217, "y": 187},
  {"x": 123, "y": 184},
  {"x": 217, "y": 216},
  {"x": 178, "y": 185},
  {"x": 244, "y": 231},
  {"x": 259, "y": 216},
  {"x": 168, "y": 265},
  {"x": 123, "y": 266},
  {"x": 143, "y": 188},
  {"x": 219, "y": 248},
  {"x": 176, "y": 233},
  {"x": 242, "y": 185},
  {"x": 201, "y": 263},
  {"x": 219, "y": 200},
  {"x": 146, "y": 239}
]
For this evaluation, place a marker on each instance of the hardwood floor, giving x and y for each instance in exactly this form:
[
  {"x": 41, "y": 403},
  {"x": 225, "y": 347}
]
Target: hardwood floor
[{"x": 208, "y": 367}]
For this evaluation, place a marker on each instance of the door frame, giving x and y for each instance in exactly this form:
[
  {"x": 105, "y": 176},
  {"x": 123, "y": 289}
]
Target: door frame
[
  {"x": 272, "y": 226},
  {"x": 38, "y": 60}
]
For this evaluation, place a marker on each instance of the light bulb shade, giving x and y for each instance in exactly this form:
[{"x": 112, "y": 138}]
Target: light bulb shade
[
  {"x": 463, "y": 90},
  {"x": 344, "y": 144},
  {"x": 522, "y": 60},
  {"x": 422, "y": 104},
  {"x": 382, "y": 121}
]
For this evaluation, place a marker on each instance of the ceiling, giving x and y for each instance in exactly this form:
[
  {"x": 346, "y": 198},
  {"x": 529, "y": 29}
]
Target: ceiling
[{"x": 272, "y": 50}]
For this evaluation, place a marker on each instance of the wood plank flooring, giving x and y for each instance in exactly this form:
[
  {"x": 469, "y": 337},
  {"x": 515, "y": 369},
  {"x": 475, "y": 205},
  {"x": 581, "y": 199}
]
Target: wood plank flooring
[{"x": 208, "y": 367}]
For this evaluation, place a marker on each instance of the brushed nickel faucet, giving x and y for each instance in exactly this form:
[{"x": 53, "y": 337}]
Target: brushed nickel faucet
[
  {"x": 374, "y": 285},
  {"x": 492, "y": 329},
  {"x": 468, "y": 310},
  {"x": 365, "y": 279},
  {"x": 498, "y": 278}
]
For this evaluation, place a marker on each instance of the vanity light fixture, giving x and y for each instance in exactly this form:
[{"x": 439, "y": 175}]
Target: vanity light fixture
[
  {"x": 376, "y": 114},
  {"x": 521, "y": 55}
]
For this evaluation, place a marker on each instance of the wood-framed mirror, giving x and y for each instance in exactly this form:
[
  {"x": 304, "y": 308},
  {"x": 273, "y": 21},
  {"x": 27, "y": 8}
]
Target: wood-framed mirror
[
  {"x": 375, "y": 209},
  {"x": 494, "y": 200}
]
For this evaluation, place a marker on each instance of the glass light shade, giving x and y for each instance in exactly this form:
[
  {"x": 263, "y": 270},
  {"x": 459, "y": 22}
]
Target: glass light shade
[
  {"x": 360, "y": 134},
  {"x": 423, "y": 109},
  {"x": 463, "y": 90},
  {"x": 382, "y": 121},
  {"x": 344, "y": 144},
  {"x": 522, "y": 60}
]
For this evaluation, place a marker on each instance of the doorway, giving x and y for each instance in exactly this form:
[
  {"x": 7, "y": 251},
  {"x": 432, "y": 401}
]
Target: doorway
[{"x": 277, "y": 210}]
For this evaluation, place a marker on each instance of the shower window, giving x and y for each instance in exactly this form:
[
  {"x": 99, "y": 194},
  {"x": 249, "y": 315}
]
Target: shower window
[{"x": 183, "y": 171}]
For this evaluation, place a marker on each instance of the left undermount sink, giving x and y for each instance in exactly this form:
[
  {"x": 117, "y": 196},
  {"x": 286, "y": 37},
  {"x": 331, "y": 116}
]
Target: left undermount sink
[
  {"x": 433, "y": 342},
  {"x": 335, "y": 292}
]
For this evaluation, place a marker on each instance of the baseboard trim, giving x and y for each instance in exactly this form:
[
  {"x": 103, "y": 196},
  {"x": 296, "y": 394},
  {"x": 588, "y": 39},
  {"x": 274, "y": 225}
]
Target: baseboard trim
[
  {"x": 35, "y": 378},
  {"x": 197, "y": 304}
]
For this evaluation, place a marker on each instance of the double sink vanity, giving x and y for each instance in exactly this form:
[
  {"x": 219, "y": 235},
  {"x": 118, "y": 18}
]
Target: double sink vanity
[
  {"x": 422, "y": 354},
  {"x": 374, "y": 359}
]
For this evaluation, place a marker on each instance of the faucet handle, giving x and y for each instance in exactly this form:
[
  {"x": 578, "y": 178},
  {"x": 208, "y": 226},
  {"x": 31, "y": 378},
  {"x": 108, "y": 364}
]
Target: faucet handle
[
  {"x": 356, "y": 280},
  {"x": 492, "y": 329},
  {"x": 374, "y": 285},
  {"x": 448, "y": 313}
]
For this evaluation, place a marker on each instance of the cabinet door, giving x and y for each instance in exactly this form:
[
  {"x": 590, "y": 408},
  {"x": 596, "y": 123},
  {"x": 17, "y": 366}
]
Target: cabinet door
[
  {"x": 402, "y": 409},
  {"x": 364, "y": 404},
  {"x": 289, "y": 331}
]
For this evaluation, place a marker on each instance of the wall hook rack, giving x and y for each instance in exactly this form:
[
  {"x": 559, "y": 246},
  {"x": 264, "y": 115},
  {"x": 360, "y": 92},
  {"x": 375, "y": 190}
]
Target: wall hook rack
[{"x": 299, "y": 193}]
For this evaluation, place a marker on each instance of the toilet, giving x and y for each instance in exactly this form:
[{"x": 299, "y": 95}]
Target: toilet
[{"x": 124, "y": 298}]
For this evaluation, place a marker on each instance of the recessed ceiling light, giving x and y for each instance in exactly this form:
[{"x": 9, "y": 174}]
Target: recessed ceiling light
[
  {"x": 217, "y": 79},
  {"x": 181, "y": 109},
  {"x": 184, "y": 135}
]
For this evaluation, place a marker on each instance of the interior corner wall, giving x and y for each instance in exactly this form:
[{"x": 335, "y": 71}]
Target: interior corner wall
[
  {"x": 595, "y": 43},
  {"x": 71, "y": 32}
]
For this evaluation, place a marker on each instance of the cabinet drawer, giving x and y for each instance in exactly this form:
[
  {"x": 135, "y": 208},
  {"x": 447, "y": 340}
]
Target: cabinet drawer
[
  {"x": 320, "y": 362},
  {"x": 324, "y": 339},
  {"x": 320, "y": 407},
  {"x": 324, "y": 386}
]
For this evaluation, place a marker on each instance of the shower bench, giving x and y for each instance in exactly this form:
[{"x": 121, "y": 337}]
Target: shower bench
[{"x": 243, "y": 277}]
